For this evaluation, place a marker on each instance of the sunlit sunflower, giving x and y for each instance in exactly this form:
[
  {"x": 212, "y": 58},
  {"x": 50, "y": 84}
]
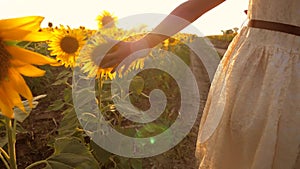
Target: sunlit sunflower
[
  {"x": 65, "y": 44},
  {"x": 178, "y": 39},
  {"x": 88, "y": 59},
  {"x": 97, "y": 46},
  {"x": 16, "y": 61},
  {"x": 90, "y": 32},
  {"x": 169, "y": 43},
  {"x": 106, "y": 20}
]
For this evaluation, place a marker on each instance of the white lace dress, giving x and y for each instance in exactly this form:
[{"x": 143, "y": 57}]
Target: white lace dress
[{"x": 252, "y": 115}]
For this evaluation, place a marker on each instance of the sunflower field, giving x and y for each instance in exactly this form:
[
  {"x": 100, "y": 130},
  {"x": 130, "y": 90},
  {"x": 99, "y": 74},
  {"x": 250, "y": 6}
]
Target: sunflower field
[{"x": 38, "y": 121}]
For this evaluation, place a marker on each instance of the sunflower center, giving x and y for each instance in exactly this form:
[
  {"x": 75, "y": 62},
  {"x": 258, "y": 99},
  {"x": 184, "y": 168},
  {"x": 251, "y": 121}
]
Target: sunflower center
[
  {"x": 69, "y": 44},
  {"x": 108, "y": 21},
  {"x": 4, "y": 61}
]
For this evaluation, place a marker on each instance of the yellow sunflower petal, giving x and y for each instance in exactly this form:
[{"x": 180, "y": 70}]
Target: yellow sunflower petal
[
  {"x": 29, "y": 56},
  {"x": 14, "y": 34},
  {"x": 17, "y": 63},
  {"x": 13, "y": 96},
  {"x": 20, "y": 85},
  {"x": 6, "y": 110},
  {"x": 56, "y": 64},
  {"x": 5, "y": 105},
  {"x": 30, "y": 71},
  {"x": 31, "y": 23},
  {"x": 37, "y": 36},
  {"x": 24, "y": 35}
]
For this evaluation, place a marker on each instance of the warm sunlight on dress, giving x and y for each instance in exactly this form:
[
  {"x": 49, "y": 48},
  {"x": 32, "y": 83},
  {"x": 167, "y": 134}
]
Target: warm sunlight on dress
[{"x": 252, "y": 115}]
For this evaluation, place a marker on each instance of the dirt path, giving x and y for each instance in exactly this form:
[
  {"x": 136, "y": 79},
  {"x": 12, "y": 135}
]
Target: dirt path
[{"x": 182, "y": 156}]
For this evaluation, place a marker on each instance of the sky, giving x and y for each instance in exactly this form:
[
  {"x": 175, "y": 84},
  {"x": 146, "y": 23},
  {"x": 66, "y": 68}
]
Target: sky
[{"x": 77, "y": 13}]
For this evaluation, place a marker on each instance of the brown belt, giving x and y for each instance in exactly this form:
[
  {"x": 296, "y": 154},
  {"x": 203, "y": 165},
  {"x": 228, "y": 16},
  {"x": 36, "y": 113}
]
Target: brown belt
[{"x": 274, "y": 26}]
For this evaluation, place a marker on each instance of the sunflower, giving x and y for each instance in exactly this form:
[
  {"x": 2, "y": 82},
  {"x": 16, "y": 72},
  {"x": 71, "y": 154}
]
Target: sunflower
[
  {"x": 88, "y": 59},
  {"x": 169, "y": 43},
  {"x": 66, "y": 43},
  {"x": 16, "y": 61},
  {"x": 98, "y": 44},
  {"x": 106, "y": 20}
]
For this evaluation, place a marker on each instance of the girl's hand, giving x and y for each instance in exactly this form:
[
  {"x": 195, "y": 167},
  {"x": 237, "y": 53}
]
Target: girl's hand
[
  {"x": 116, "y": 54},
  {"x": 121, "y": 51}
]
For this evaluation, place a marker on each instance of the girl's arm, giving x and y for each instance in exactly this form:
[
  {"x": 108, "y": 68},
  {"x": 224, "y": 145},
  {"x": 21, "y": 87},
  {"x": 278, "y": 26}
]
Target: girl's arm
[{"x": 178, "y": 19}]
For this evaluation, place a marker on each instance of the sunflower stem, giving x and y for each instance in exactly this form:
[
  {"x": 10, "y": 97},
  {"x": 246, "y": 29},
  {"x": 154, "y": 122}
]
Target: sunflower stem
[
  {"x": 4, "y": 161},
  {"x": 36, "y": 164},
  {"x": 2, "y": 151},
  {"x": 11, "y": 134},
  {"x": 100, "y": 85}
]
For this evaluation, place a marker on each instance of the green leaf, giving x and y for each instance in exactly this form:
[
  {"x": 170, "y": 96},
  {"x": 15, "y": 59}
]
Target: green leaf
[
  {"x": 100, "y": 154},
  {"x": 11, "y": 43},
  {"x": 81, "y": 97},
  {"x": 57, "y": 105},
  {"x": 151, "y": 129},
  {"x": 70, "y": 153},
  {"x": 67, "y": 95},
  {"x": 61, "y": 81},
  {"x": 137, "y": 85},
  {"x": 64, "y": 73},
  {"x": 69, "y": 124},
  {"x": 124, "y": 163},
  {"x": 20, "y": 115},
  {"x": 136, "y": 163}
]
